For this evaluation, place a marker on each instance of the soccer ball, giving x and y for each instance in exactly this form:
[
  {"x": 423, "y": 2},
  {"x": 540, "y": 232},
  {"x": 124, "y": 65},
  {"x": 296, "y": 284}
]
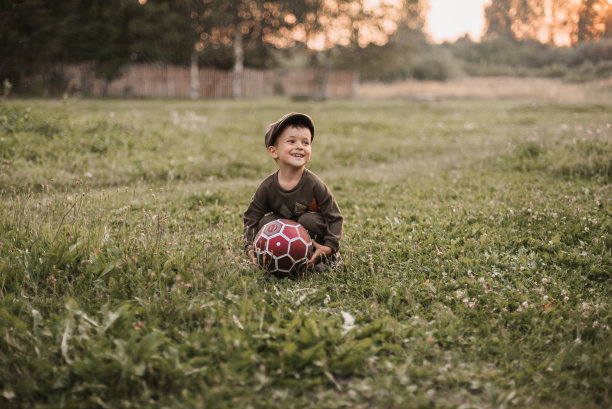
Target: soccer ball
[{"x": 283, "y": 247}]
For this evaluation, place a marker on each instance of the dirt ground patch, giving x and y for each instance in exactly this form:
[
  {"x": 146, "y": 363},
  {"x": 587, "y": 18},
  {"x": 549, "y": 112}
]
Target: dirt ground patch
[{"x": 599, "y": 91}]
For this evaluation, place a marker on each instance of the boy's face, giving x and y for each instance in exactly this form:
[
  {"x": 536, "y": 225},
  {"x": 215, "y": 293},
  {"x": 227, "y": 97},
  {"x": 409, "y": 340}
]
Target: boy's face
[{"x": 292, "y": 147}]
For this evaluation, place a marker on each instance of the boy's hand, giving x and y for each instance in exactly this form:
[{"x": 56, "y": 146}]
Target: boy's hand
[{"x": 320, "y": 250}]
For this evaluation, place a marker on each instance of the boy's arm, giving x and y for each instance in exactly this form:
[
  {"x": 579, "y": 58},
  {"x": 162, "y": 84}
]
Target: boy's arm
[
  {"x": 251, "y": 221},
  {"x": 331, "y": 212},
  {"x": 253, "y": 214}
]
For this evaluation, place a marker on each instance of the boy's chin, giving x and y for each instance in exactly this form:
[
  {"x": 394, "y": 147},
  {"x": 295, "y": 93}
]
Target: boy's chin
[{"x": 295, "y": 165}]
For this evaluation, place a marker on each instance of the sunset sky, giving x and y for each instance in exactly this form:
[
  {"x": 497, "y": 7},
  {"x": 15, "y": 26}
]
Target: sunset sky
[{"x": 450, "y": 19}]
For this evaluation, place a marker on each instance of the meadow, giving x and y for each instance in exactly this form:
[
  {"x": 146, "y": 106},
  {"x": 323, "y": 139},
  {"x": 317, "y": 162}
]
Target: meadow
[{"x": 477, "y": 248}]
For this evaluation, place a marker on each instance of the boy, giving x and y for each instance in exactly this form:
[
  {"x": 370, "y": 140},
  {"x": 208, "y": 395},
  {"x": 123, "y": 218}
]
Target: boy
[{"x": 293, "y": 192}]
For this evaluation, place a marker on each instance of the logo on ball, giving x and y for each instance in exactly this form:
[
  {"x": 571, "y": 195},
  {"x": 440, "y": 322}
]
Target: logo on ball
[{"x": 283, "y": 247}]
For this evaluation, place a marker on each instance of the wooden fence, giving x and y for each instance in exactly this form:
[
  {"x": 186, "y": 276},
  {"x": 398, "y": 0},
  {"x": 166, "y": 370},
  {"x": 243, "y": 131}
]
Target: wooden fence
[{"x": 171, "y": 81}]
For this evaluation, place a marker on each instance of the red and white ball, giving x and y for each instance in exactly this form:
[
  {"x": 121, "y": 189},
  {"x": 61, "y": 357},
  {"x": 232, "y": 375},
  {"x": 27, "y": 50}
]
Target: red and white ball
[{"x": 283, "y": 246}]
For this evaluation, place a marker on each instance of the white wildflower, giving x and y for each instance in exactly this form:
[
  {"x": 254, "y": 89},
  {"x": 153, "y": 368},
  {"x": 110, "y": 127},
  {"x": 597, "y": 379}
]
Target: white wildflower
[{"x": 349, "y": 322}]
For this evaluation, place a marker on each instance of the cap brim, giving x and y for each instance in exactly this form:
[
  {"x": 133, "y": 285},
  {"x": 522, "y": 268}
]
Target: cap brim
[{"x": 280, "y": 124}]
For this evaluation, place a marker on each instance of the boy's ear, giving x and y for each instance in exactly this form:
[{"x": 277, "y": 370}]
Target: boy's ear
[{"x": 272, "y": 152}]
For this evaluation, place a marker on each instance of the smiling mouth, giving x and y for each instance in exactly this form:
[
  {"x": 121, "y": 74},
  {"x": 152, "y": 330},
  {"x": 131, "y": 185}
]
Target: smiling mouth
[{"x": 297, "y": 155}]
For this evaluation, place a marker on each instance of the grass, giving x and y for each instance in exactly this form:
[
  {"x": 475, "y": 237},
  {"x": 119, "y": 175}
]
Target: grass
[
  {"x": 476, "y": 245},
  {"x": 537, "y": 89}
]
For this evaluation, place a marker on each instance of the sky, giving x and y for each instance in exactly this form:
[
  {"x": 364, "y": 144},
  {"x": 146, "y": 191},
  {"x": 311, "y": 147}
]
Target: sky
[{"x": 450, "y": 19}]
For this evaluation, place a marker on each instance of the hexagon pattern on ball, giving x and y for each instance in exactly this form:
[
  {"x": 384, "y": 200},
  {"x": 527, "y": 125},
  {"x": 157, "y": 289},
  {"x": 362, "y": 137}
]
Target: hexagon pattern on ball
[{"x": 283, "y": 247}]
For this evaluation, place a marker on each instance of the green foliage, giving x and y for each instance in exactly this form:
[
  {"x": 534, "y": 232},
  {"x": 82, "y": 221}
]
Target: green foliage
[
  {"x": 35, "y": 35},
  {"x": 476, "y": 248},
  {"x": 435, "y": 66},
  {"x": 500, "y": 56},
  {"x": 408, "y": 55},
  {"x": 527, "y": 19}
]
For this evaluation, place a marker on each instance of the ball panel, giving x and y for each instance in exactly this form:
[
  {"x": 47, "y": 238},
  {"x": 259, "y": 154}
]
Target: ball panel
[
  {"x": 291, "y": 231},
  {"x": 304, "y": 235},
  {"x": 284, "y": 263},
  {"x": 278, "y": 245},
  {"x": 261, "y": 243},
  {"x": 298, "y": 249},
  {"x": 272, "y": 228}
]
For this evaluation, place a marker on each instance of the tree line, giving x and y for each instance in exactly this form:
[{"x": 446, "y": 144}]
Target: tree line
[
  {"x": 227, "y": 34},
  {"x": 566, "y": 39},
  {"x": 379, "y": 41},
  {"x": 549, "y": 21}
]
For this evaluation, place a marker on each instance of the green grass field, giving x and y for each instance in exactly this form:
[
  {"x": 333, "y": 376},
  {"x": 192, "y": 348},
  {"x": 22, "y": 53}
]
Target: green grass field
[{"x": 477, "y": 252}]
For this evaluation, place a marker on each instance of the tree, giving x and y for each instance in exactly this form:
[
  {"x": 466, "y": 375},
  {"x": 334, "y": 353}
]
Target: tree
[
  {"x": 161, "y": 31},
  {"x": 552, "y": 21},
  {"x": 244, "y": 23},
  {"x": 514, "y": 19},
  {"x": 35, "y": 34},
  {"x": 202, "y": 20},
  {"x": 561, "y": 14},
  {"x": 591, "y": 24},
  {"x": 235, "y": 24},
  {"x": 608, "y": 22},
  {"x": 22, "y": 38},
  {"x": 498, "y": 17},
  {"x": 367, "y": 23},
  {"x": 351, "y": 25},
  {"x": 391, "y": 56}
]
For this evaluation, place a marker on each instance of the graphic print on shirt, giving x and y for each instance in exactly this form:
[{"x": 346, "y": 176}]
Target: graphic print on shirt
[{"x": 314, "y": 206}]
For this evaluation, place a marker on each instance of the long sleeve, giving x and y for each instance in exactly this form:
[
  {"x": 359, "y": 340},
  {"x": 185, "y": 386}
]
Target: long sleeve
[
  {"x": 256, "y": 210},
  {"x": 331, "y": 213}
]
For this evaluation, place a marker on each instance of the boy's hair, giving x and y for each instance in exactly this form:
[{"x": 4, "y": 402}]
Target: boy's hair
[{"x": 292, "y": 119}]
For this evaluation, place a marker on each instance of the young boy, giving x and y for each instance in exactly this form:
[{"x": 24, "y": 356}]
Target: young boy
[{"x": 293, "y": 192}]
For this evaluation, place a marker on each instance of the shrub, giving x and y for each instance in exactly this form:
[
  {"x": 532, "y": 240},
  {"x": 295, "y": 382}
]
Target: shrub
[
  {"x": 437, "y": 66},
  {"x": 501, "y": 56}
]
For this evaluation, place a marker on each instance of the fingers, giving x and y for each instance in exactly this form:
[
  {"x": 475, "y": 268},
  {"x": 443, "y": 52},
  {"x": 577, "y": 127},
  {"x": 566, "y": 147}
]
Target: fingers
[
  {"x": 320, "y": 250},
  {"x": 317, "y": 254}
]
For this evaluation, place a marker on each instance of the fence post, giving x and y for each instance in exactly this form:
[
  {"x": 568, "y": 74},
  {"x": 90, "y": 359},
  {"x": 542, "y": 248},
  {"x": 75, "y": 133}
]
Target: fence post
[
  {"x": 238, "y": 64},
  {"x": 194, "y": 76}
]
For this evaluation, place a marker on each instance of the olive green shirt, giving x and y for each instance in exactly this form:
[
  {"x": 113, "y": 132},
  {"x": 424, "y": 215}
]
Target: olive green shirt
[{"x": 310, "y": 194}]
